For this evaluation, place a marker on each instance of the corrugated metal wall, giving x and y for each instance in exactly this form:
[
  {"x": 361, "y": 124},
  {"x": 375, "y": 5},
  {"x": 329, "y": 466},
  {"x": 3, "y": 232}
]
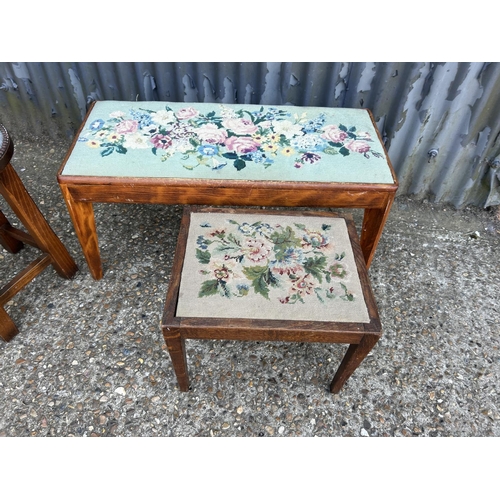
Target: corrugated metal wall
[{"x": 440, "y": 121}]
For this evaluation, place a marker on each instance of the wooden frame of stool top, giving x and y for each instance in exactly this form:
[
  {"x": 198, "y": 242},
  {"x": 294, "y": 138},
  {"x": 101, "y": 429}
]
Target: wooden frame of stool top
[{"x": 361, "y": 336}]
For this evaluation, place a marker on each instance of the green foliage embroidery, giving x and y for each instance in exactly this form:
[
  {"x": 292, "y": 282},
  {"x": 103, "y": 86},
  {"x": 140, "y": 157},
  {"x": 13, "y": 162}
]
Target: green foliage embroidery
[
  {"x": 316, "y": 267},
  {"x": 203, "y": 256},
  {"x": 210, "y": 287}
]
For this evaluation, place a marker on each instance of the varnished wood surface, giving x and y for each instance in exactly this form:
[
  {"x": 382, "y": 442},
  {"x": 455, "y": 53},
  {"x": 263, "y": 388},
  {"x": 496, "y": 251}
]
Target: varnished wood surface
[
  {"x": 242, "y": 193},
  {"x": 39, "y": 235},
  {"x": 361, "y": 336},
  {"x": 23, "y": 278},
  {"x": 15, "y": 194},
  {"x": 8, "y": 329}
]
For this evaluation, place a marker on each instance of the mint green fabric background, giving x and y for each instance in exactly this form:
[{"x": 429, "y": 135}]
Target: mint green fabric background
[{"x": 353, "y": 168}]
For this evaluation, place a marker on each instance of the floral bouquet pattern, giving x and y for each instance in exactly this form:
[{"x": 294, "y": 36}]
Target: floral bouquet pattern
[
  {"x": 301, "y": 263},
  {"x": 233, "y": 137}
]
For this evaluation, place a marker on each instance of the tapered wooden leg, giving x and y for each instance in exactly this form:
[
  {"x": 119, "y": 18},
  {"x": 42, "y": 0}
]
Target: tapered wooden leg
[
  {"x": 355, "y": 354},
  {"x": 82, "y": 215},
  {"x": 373, "y": 224},
  {"x": 177, "y": 350},
  {"x": 7, "y": 327},
  {"x": 15, "y": 194},
  {"x": 10, "y": 244}
]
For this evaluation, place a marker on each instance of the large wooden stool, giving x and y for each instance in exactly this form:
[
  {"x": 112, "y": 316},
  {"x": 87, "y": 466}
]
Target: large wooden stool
[
  {"x": 39, "y": 234},
  {"x": 263, "y": 275}
]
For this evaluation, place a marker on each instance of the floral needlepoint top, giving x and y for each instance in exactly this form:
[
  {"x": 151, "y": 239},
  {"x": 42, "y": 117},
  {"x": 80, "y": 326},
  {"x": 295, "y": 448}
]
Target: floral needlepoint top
[
  {"x": 231, "y": 137},
  {"x": 272, "y": 262}
]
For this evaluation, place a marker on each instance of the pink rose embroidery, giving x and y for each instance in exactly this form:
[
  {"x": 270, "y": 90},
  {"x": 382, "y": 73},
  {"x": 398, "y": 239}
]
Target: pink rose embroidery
[
  {"x": 241, "y": 145},
  {"x": 186, "y": 113},
  {"x": 212, "y": 134},
  {"x": 240, "y": 126},
  {"x": 358, "y": 146},
  {"x": 161, "y": 141},
  {"x": 127, "y": 127},
  {"x": 333, "y": 134}
]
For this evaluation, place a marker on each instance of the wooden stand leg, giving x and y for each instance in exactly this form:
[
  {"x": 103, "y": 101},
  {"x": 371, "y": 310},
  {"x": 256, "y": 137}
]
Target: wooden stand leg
[
  {"x": 373, "y": 224},
  {"x": 355, "y": 354},
  {"x": 8, "y": 329},
  {"x": 82, "y": 215},
  {"x": 177, "y": 350},
  {"x": 14, "y": 192}
]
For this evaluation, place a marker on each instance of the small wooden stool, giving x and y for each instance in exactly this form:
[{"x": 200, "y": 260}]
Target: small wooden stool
[
  {"x": 39, "y": 235},
  {"x": 264, "y": 275}
]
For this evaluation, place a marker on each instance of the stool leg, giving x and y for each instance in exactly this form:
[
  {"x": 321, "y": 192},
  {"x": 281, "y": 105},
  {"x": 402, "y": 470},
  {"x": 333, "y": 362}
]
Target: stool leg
[
  {"x": 373, "y": 223},
  {"x": 177, "y": 350},
  {"x": 355, "y": 354},
  {"x": 8, "y": 330},
  {"x": 14, "y": 192},
  {"x": 82, "y": 215}
]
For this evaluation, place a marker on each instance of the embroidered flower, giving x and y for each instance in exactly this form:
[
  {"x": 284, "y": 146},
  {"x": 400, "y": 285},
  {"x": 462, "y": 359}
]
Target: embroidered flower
[
  {"x": 291, "y": 263},
  {"x": 222, "y": 270},
  {"x": 143, "y": 118},
  {"x": 310, "y": 158},
  {"x": 137, "y": 141},
  {"x": 114, "y": 137},
  {"x": 287, "y": 151},
  {"x": 96, "y": 124},
  {"x": 258, "y": 156},
  {"x": 127, "y": 127},
  {"x": 358, "y": 146},
  {"x": 246, "y": 228},
  {"x": 241, "y": 145},
  {"x": 333, "y": 133},
  {"x": 211, "y": 133},
  {"x": 256, "y": 250},
  {"x": 337, "y": 270},
  {"x": 208, "y": 150},
  {"x": 161, "y": 141},
  {"x": 303, "y": 285},
  {"x": 240, "y": 126},
  {"x": 264, "y": 229},
  {"x": 163, "y": 117},
  {"x": 187, "y": 113},
  {"x": 287, "y": 128},
  {"x": 308, "y": 142},
  {"x": 271, "y": 147},
  {"x": 314, "y": 240}
]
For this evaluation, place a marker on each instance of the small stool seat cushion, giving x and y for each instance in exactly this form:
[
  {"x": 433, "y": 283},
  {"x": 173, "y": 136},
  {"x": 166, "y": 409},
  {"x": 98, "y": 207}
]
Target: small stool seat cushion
[{"x": 259, "y": 266}]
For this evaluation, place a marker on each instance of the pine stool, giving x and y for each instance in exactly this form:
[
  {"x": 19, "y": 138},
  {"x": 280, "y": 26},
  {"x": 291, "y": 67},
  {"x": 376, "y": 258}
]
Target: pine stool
[{"x": 263, "y": 275}]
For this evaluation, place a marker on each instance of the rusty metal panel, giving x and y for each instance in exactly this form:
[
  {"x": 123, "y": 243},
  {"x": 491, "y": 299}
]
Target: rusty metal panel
[{"x": 440, "y": 121}]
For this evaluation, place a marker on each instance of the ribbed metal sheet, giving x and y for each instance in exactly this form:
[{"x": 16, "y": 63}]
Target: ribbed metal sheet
[{"x": 451, "y": 110}]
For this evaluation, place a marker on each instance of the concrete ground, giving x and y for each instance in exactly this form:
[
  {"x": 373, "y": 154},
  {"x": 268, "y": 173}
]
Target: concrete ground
[{"x": 90, "y": 359}]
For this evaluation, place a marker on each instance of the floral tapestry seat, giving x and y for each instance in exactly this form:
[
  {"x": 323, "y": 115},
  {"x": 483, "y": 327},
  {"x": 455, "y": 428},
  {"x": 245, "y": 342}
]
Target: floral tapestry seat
[
  {"x": 262, "y": 275},
  {"x": 229, "y": 141}
]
